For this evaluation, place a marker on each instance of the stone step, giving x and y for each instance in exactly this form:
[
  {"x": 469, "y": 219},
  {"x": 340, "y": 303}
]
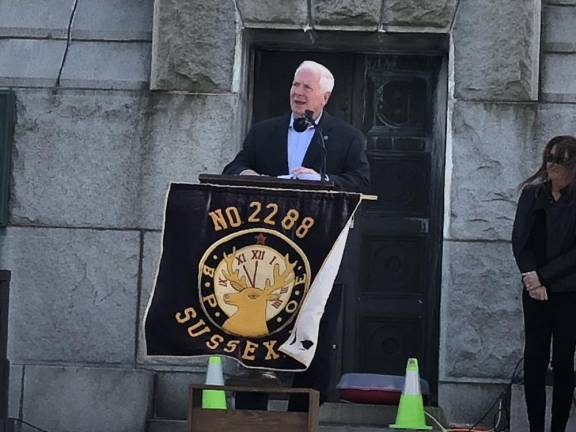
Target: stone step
[
  {"x": 159, "y": 425},
  {"x": 163, "y": 425},
  {"x": 357, "y": 414},
  {"x": 343, "y": 415},
  {"x": 334, "y": 417},
  {"x": 354, "y": 428}
]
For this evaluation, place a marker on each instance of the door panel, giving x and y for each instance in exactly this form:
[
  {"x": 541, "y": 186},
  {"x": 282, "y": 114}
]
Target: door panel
[
  {"x": 393, "y": 266},
  {"x": 387, "y": 342},
  {"x": 402, "y": 182}
]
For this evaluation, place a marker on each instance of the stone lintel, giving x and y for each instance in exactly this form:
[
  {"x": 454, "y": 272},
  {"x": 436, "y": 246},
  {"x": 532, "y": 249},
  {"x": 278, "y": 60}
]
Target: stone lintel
[
  {"x": 433, "y": 15},
  {"x": 346, "y": 13},
  {"x": 277, "y": 13}
]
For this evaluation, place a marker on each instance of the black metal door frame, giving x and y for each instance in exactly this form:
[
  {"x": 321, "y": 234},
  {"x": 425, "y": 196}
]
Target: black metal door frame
[{"x": 362, "y": 46}]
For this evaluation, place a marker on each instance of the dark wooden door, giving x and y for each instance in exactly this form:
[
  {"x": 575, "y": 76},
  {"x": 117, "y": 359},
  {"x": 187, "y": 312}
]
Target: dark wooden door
[
  {"x": 391, "y": 272},
  {"x": 392, "y": 301}
]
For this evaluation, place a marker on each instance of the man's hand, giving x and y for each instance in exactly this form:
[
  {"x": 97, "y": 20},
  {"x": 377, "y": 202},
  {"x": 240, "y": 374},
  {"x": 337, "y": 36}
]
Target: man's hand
[
  {"x": 249, "y": 172},
  {"x": 303, "y": 173},
  {"x": 303, "y": 170}
]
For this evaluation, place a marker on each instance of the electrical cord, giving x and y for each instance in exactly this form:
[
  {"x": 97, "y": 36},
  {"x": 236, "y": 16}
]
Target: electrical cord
[
  {"x": 27, "y": 424},
  {"x": 504, "y": 395},
  {"x": 443, "y": 429},
  {"x": 68, "y": 41},
  {"x": 435, "y": 420},
  {"x": 500, "y": 413}
]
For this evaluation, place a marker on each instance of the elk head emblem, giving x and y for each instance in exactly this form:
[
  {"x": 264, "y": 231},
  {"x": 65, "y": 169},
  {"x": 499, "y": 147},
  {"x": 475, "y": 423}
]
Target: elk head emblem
[{"x": 249, "y": 320}]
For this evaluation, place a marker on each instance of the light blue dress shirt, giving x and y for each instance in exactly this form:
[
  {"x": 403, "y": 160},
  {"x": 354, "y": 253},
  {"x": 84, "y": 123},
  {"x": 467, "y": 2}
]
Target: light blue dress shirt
[{"x": 298, "y": 143}]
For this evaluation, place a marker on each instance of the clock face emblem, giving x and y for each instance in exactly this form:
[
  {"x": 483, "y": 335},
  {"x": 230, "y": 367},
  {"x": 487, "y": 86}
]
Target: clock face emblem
[{"x": 253, "y": 282}]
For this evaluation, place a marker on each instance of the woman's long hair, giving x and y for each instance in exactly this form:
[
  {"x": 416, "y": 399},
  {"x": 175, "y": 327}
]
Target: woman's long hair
[{"x": 565, "y": 150}]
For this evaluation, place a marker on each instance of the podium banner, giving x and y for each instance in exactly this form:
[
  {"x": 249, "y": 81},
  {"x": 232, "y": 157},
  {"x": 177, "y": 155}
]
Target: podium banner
[{"x": 246, "y": 272}]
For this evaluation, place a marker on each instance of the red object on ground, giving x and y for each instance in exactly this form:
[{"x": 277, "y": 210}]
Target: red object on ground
[
  {"x": 385, "y": 397},
  {"x": 375, "y": 388},
  {"x": 466, "y": 428}
]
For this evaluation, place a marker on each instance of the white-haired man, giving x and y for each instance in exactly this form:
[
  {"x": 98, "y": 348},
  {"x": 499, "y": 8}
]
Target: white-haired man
[{"x": 275, "y": 147}]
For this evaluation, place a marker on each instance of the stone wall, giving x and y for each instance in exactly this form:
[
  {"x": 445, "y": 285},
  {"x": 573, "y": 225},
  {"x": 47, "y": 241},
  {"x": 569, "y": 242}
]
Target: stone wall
[
  {"x": 93, "y": 157},
  {"x": 496, "y": 50},
  {"x": 496, "y": 138},
  {"x": 91, "y": 162}
]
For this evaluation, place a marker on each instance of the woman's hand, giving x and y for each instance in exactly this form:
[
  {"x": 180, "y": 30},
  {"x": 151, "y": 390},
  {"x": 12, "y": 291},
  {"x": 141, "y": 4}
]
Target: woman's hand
[
  {"x": 538, "y": 293},
  {"x": 531, "y": 280},
  {"x": 534, "y": 286}
]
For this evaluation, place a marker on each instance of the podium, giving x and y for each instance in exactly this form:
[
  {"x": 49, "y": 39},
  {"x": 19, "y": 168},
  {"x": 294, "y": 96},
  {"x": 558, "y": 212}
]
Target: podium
[
  {"x": 264, "y": 181},
  {"x": 200, "y": 420},
  {"x": 237, "y": 277}
]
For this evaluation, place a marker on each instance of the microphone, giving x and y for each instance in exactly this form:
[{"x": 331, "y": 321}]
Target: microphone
[
  {"x": 308, "y": 115},
  {"x": 302, "y": 123}
]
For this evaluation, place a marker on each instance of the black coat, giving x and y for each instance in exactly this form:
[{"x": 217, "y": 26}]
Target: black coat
[
  {"x": 265, "y": 150},
  {"x": 557, "y": 273}
]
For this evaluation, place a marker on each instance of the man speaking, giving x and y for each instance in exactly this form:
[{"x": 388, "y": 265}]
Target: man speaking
[
  {"x": 299, "y": 145},
  {"x": 280, "y": 146}
]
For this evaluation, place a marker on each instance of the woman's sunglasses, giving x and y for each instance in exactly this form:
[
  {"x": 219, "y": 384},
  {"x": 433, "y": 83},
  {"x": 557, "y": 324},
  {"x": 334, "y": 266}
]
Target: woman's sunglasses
[{"x": 557, "y": 159}]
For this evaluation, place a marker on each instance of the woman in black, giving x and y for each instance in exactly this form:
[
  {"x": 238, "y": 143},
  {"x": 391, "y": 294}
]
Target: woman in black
[{"x": 544, "y": 244}]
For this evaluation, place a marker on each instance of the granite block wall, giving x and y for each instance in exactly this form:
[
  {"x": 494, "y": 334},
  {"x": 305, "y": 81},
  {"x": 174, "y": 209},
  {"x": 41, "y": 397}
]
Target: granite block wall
[
  {"x": 156, "y": 91},
  {"x": 497, "y": 50},
  {"x": 93, "y": 154},
  {"x": 495, "y": 142}
]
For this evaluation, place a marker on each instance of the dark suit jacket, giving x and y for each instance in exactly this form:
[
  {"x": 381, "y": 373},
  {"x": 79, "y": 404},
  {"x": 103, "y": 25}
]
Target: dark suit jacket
[
  {"x": 265, "y": 150},
  {"x": 557, "y": 274}
]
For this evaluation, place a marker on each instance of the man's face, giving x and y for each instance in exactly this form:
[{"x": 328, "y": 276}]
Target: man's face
[{"x": 306, "y": 94}]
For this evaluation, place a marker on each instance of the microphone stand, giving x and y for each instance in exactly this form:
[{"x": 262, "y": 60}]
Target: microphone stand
[
  {"x": 318, "y": 130},
  {"x": 324, "y": 153}
]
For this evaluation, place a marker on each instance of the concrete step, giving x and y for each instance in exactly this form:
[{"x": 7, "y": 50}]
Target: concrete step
[
  {"x": 354, "y": 428},
  {"x": 164, "y": 425},
  {"x": 334, "y": 417},
  {"x": 357, "y": 414},
  {"x": 158, "y": 425}
]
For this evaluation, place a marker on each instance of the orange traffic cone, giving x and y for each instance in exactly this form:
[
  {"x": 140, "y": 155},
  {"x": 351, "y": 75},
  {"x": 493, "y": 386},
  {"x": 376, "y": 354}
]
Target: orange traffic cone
[{"x": 410, "y": 413}]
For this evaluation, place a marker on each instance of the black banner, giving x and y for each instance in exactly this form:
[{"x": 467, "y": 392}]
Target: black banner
[{"x": 237, "y": 265}]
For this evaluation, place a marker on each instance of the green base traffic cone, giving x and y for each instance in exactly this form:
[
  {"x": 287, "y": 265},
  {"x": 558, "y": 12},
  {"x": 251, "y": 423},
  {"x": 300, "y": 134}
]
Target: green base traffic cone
[
  {"x": 214, "y": 399},
  {"x": 411, "y": 409}
]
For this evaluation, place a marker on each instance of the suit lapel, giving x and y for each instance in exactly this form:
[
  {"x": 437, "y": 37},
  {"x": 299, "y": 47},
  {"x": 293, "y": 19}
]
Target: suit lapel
[{"x": 279, "y": 144}]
